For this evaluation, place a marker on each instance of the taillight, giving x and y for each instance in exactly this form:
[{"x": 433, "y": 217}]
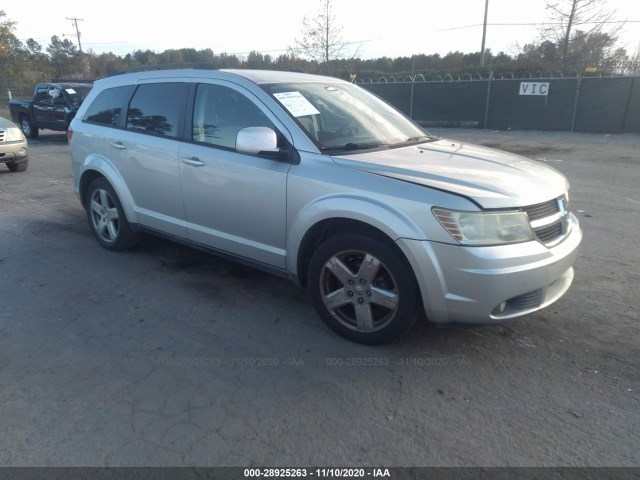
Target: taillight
[{"x": 70, "y": 133}]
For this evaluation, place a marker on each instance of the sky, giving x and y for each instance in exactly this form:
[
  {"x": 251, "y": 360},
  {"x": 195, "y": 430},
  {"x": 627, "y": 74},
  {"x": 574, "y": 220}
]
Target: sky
[{"x": 374, "y": 29}]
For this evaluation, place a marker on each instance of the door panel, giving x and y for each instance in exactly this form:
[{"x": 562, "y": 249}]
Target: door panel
[
  {"x": 234, "y": 202},
  {"x": 146, "y": 154},
  {"x": 149, "y": 167}
]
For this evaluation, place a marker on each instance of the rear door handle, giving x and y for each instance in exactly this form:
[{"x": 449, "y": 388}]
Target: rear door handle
[
  {"x": 194, "y": 161},
  {"x": 118, "y": 145}
]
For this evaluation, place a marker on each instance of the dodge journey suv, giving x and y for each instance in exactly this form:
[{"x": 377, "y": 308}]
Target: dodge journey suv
[{"x": 317, "y": 180}]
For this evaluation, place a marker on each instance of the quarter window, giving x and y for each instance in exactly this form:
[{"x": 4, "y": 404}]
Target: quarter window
[
  {"x": 221, "y": 112},
  {"x": 106, "y": 108},
  {"x": 156, "y": 108}
]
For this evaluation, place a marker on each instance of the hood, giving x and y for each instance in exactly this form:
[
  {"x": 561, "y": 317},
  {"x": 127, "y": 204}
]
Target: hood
[{"x": 492, "y": 178}]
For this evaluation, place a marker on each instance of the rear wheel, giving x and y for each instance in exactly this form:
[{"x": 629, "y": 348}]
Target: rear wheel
[
  {"x": 106, "y": 217},
  {"x": 362, "y": 288},
  {"x": 27, "y": 128}
]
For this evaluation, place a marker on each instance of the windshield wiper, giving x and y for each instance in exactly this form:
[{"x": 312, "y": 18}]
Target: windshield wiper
[
  {"x": 422, "y": 138},
  {"x": 353, "y": 146}
]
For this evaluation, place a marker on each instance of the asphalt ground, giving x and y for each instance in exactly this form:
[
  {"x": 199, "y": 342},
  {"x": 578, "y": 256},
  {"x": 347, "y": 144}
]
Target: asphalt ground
[{"x": 166, "y": 356}]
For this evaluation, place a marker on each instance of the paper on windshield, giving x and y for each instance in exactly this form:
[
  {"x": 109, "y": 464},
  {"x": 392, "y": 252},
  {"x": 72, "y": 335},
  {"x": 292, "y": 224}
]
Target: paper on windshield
[
  {"x": 296, "y": 103},
  {"x": 70, "y": 91}
]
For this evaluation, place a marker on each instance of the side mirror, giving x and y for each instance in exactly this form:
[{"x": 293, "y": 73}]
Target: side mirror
[{"x": 257, "y": 140}]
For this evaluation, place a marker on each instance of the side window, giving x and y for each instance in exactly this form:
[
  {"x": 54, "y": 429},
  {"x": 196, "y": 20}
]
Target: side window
[
  {"x": 107, "y": 106},
  {"x": 42, "y": 95},
  {"x": 156, "y": 107},
  {"x": 220, "y": 113}
]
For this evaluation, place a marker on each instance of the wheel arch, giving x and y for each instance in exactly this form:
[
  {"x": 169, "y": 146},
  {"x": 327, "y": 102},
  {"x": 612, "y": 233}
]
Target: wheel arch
[
  {"x": 359, "y": 216},
  {"x": 96, "y": 167}
]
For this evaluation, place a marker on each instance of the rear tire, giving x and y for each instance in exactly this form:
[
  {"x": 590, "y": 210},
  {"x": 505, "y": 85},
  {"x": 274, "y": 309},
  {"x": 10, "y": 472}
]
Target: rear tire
[
  {"x": 363, "y": 289},
  {"x": 106, "y": 217}
]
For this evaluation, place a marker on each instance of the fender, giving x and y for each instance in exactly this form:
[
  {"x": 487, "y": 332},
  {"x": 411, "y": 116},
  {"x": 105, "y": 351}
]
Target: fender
[
  {"x": 102, "y": 165},
  {"x": 384, "y": 217}
]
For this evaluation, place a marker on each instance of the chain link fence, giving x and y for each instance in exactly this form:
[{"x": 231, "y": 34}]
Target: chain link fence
[
  {"x": 501, "y": 102},
  {"x": 576, "y": 104}
]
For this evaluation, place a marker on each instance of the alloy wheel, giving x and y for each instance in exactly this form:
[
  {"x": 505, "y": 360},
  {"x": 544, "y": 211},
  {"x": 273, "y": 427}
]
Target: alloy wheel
[{"x": 359, "y": 291}]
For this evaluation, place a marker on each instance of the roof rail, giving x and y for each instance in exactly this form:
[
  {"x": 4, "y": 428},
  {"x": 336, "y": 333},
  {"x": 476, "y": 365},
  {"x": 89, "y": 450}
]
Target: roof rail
[
  {"x": 165, "y": 66},
  {"x": 70, "y": 80}
]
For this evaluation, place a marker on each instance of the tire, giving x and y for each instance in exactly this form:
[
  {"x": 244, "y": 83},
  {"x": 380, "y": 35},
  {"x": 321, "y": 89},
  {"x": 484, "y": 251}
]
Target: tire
[
  {"x": 27, "y": 128},
  {"x": 106, "y": 217},
  {"x": 363, "y": 289},
  {"x": 18, "y": 167}
]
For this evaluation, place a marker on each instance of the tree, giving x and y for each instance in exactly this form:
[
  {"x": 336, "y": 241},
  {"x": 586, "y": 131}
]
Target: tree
[
  {"x": 13, "y": 56},
  {"x": 258, "y": 61},
  {"x": 63, "y": 55},
  {"x": 322, "y": 37},
  {"x": 593, "y": 22},
  {"x": 7, "y": 38}
]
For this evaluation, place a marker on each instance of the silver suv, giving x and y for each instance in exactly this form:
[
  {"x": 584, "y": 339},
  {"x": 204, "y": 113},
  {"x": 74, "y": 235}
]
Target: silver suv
[{"x": 319, "y": 181}]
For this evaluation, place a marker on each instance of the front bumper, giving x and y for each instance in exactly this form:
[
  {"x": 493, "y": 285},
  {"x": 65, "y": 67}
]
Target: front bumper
[
  {"x": 14, "y": 152},
  {"x": 490, "y": 285}
]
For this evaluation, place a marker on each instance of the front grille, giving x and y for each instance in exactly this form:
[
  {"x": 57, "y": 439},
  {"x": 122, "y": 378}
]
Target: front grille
[
  {"x": 2, "y": 132},
  {"x": 549, "y": 234},
  {"x": 556, "y": 226},
  {"x": 542, "y": 210},
  {"x": 526, "y": 301}
]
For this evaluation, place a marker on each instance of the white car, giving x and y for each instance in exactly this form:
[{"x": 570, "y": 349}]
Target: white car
[{"x": 317, "y": 180}]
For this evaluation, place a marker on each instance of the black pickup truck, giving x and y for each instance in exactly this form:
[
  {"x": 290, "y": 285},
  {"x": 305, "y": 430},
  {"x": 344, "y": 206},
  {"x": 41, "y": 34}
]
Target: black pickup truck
[{"x": 53, "y": 107}]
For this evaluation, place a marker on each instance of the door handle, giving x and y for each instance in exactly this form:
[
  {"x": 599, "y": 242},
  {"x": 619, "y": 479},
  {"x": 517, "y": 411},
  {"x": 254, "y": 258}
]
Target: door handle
[
  {"x": 194, "y": 161},
  {"x": 118, "y": 145}
]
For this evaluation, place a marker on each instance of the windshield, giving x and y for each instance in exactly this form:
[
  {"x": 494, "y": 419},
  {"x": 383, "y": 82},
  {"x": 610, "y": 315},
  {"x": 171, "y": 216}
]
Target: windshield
[{"x": 342, "y": 116}]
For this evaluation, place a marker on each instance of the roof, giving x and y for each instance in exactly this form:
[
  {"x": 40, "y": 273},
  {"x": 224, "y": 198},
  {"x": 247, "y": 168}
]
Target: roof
[
  {"x": 254, "y": 76},
  {"x": 275, "y": 76},
  {"x": 68, "y": 84}
]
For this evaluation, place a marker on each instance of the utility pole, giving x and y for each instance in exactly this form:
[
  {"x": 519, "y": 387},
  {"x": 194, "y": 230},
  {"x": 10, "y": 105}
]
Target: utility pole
[
  {"x": 484, "y": 32},
  {"x": 75, "y": 22}
]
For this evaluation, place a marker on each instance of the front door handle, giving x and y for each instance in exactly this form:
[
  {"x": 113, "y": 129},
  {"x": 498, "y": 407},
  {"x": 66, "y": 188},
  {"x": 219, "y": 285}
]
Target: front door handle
[
  {"x": 118, "y": 145},
  {"x": 194, "y": 161}
]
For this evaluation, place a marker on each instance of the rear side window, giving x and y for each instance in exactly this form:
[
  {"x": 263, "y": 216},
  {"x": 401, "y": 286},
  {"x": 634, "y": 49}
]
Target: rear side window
[
  {"x": 107, "y": 106},
  {"x": 156, "y": 108}
]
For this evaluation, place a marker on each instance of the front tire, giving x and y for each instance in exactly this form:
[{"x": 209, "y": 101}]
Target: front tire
[
  {"x": 363, "y": 289},
  {"x": 107, "y": 218},
  {"x": 27, "y": 128},
  {"x": 18, "y": 167}
]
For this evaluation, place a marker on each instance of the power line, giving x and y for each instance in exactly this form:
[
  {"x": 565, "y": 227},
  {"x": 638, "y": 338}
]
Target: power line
[{"x": 529, "y": 24}]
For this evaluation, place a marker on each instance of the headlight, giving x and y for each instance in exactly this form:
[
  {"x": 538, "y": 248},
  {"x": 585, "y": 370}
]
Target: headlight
[
  {"x": 485, "y": 228},
  {"x": 13, "y": 135}
]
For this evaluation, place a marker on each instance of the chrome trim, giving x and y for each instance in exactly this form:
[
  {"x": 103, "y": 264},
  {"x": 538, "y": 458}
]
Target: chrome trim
[{"x": 548, "y": 221}]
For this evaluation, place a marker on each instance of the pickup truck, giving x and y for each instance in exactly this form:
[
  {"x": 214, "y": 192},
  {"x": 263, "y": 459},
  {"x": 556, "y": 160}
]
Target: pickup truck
[{"x": 53, "y": 107}]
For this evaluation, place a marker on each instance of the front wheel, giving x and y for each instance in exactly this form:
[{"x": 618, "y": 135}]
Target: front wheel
[
  {"x": 106, "y": 217},
  {"x": 27, "y": 128},
  {"x": 18, "y": 167},
  {"x": 363, "y": 289}
]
